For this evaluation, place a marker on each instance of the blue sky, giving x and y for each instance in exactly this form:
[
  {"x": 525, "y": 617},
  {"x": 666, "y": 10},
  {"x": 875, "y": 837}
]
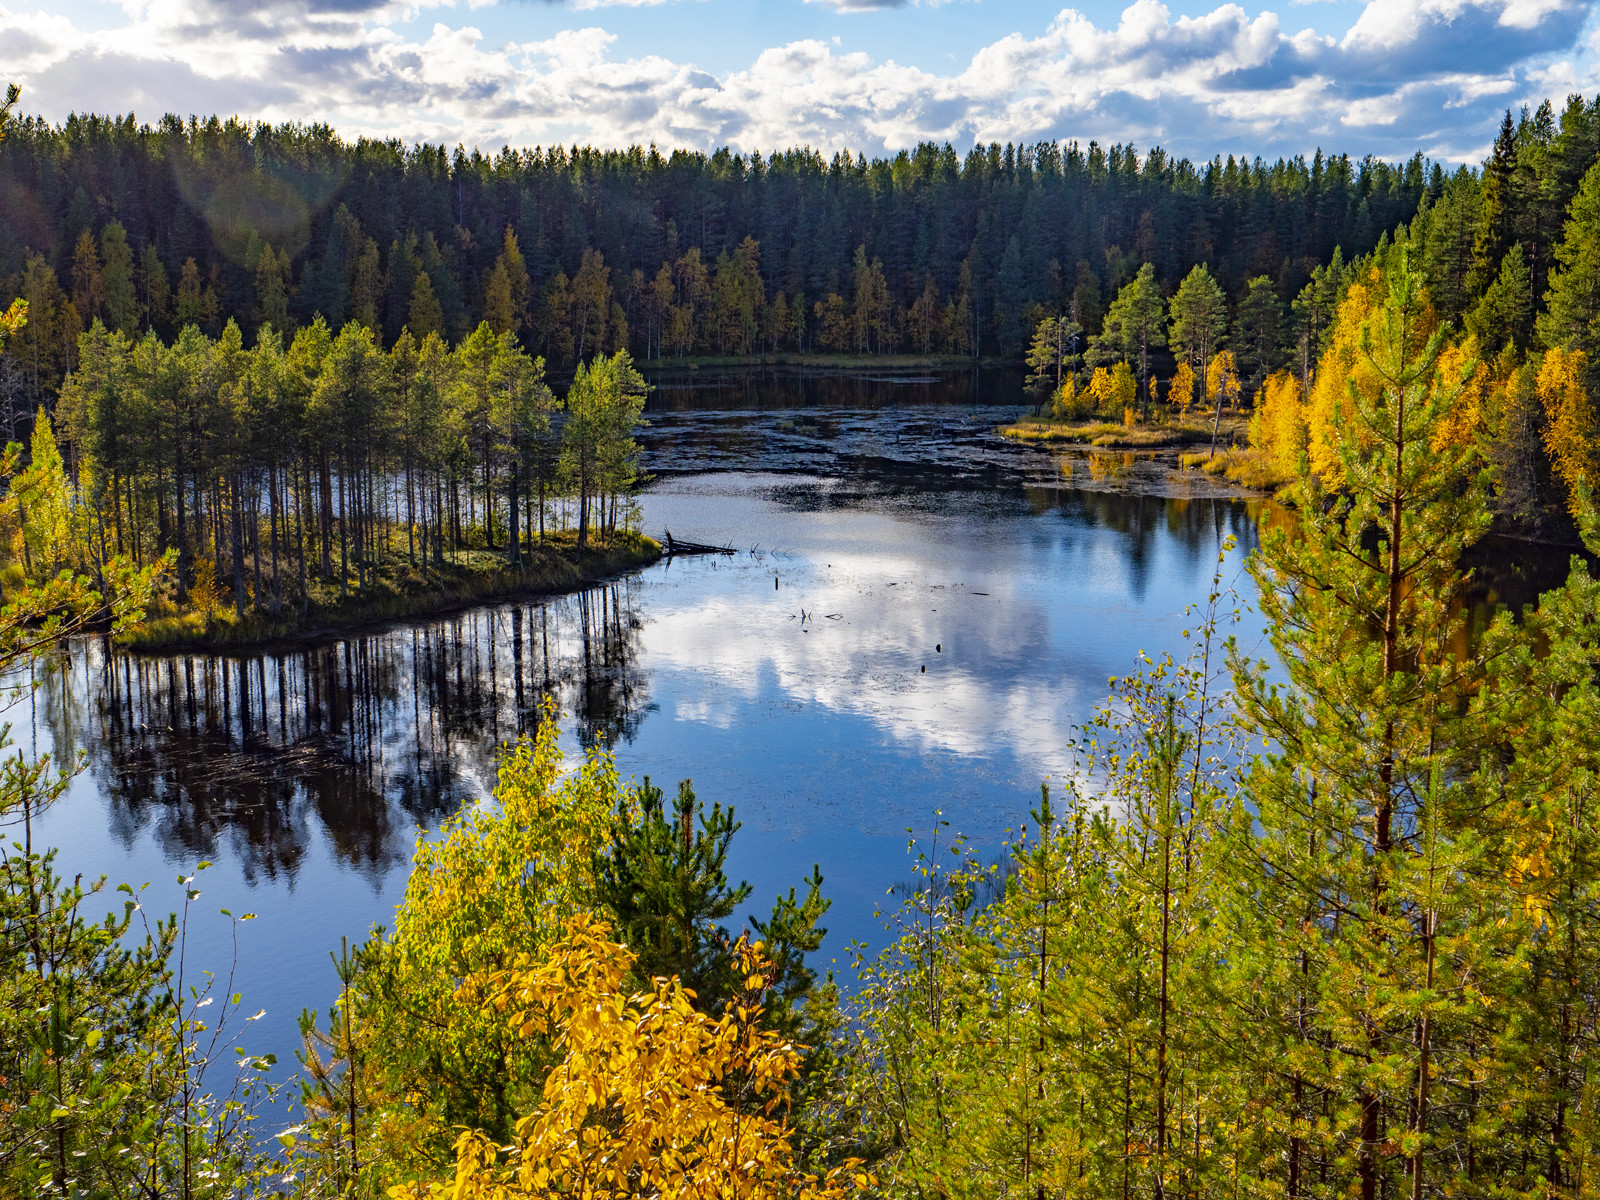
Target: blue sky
[{"x": 1385, "y": 77}]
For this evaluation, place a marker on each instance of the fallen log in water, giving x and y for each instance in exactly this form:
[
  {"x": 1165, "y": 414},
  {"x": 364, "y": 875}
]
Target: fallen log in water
[{"x": 675, "y": 547}]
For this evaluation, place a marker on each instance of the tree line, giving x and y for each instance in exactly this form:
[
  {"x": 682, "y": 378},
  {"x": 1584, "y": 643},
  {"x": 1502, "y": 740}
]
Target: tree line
[{"x": 193, "y": 222}]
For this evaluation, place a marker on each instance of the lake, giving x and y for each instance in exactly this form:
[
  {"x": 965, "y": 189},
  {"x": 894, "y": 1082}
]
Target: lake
[{"x": 918, "y": 617}]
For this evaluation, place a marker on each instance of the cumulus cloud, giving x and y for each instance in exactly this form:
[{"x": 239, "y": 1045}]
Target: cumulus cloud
[{"x": 1409, "y": 74}]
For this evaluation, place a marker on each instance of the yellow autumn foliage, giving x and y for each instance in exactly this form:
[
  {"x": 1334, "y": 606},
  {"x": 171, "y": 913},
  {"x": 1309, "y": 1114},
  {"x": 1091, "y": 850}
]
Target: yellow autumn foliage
[
  {"x": 1278, "y": 427},
  {"x": 49, "y": 533},
  {"x": 12, "y": 321},
  {"x": 1180, "y": 392},
  {"x": 497, "y": 883},
  {"x": 1114, "y": 390},
  {"x": 648, "y": 1096},
  {"x": 1354, "y": 342},
  {"x": 1069, "y": 404},
  {"x": 1463, "y": 424},
  {"x": 1222, "y": 378},
  {"x": 1572, "y": 435}
]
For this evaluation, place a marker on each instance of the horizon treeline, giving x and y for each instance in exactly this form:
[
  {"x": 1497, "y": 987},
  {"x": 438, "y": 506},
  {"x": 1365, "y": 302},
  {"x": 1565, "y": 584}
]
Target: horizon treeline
[{"x": 580, "y": 250}]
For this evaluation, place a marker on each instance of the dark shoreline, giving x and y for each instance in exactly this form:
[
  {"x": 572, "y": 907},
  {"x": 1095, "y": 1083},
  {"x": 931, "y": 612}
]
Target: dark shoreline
[{"x": 558, "y": 571}]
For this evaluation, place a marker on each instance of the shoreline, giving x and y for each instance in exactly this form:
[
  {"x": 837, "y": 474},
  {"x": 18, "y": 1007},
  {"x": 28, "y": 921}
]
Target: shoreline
[{"x": 556, "y": 570}]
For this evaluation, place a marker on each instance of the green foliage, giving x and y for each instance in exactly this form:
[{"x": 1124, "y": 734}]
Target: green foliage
[
  {"x": 108, "y": 1055},
  {"x": 325, "y": 469},
  {"x": 7, "y": 110},
  {"x": 1258, "y": 334},
  {"x": 1052, "y": 356},
  {"x": 959, "y": 252},
  {"x": 495, "y": 883},
  {"x": 597, "y": 449},
  {"x": 663, "y": 880},
  {"x": 1503, "y": 315},
  {"x": 414, "y": 1051},
  {"x": 1571, "y": 319},
  {"x": 1199, "y": 319},
  {"x": 1133, "y": 328},
  {"x": 1062, "y": 1038},
  {"x": 1314, "y": 930}
]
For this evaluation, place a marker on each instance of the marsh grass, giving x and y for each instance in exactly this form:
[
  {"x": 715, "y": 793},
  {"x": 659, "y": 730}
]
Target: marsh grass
[{"x": 1248, "y": 468}]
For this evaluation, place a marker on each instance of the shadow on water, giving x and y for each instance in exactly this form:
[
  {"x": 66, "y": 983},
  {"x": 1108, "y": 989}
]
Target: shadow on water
[{"x": 361, "y": 740}]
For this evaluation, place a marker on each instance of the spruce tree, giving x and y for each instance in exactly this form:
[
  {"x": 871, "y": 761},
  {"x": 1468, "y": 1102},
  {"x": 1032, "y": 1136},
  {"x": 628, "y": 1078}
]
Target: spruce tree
[
  {"x": 1571, "y": 320},
  {"x": 1496, "y": 209}
]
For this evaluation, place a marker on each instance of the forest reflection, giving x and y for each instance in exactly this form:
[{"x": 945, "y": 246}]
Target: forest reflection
[
  {"x": 361, "y": 740},
  {"x": 779, "y": 388}
]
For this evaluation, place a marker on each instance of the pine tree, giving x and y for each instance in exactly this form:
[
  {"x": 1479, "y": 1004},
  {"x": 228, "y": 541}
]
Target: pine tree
[
  {"x": 423, "y": 315},
  {"x": 1258, "y": 334},
  {"x": 1052, "y": 355},
  {"x": 1571, "y": 320},
  {"x": 272, "y": 290},
  {"x": 157, "y": 287},
  {"x": 88, "y": 281},
  {"x": 1360, "y": 803},
  {"x": 1133, "y": 328},
  {"x": 664, "y": 877},
  {"x": 1503, "y": 315},
  {"x": 1199, "y": 319}
]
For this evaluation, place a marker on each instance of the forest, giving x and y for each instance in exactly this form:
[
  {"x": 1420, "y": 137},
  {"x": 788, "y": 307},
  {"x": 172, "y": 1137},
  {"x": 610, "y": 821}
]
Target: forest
[
  {"x": 1324, "y": 926},
  {"x": 579, "y": 250}
]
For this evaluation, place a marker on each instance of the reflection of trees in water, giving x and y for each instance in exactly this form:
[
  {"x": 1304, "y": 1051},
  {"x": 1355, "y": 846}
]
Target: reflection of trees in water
[
  {"x": 363, "y": 739},
  {"x": 1192, "y": 528},
  {"x": 777, "y": 388}
]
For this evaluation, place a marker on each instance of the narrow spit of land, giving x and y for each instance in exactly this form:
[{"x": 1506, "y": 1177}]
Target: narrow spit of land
[
  {"x": 1115, "y": 435},
  {"x": 398, "y": 590},
  {"x": 1223, "y": 451}
]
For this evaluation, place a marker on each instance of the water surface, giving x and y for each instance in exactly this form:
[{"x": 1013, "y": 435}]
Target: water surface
[{"x": 919, "y": 617}]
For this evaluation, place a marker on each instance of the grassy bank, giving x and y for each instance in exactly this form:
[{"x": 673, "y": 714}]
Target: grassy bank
[
  {"x": 1116, "y": 436},
  {"x": 397, "y": 590},
  {"x": 1246, "y": 467}
]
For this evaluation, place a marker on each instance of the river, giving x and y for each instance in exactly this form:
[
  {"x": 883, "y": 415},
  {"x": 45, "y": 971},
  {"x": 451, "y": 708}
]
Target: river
[{"x": 918, "y": 618}]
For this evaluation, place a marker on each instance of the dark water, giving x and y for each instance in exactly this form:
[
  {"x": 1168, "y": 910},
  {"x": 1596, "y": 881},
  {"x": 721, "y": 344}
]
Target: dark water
[{"x": 883, "y": 530}]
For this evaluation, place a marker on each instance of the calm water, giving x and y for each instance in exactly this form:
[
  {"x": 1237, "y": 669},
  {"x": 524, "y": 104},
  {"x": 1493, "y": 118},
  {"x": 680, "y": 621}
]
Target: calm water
[{"x": 883, "y": 529}]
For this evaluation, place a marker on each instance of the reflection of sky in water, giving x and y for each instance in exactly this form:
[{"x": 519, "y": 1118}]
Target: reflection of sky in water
[
  {"x": 827, "y": 734},
  {"x": 909, "y": 539}
]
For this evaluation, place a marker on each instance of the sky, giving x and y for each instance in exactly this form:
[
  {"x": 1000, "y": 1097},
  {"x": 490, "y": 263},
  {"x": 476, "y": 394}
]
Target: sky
[{"x": 1386, "y": 77}]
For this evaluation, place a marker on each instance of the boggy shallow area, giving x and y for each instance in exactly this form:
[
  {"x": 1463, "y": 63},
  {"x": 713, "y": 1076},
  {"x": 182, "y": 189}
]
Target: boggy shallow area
[{"x": 875, "y": 539}]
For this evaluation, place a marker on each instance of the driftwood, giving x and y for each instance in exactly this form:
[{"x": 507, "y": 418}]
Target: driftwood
[{"x": 676, "y": 547}]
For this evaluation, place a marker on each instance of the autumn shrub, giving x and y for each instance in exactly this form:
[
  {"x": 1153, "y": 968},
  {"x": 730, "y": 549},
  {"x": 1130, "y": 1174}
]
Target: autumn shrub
[{"x": 647, "y": 1094}]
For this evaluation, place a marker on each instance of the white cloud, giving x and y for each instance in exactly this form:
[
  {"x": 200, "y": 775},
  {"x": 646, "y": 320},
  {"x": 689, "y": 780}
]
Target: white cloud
[{"x": 1409, "y": 74}]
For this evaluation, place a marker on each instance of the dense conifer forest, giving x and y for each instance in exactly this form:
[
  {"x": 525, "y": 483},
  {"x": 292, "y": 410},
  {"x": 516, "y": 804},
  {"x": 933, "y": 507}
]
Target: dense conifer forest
[
  {"x": 577, "y": 250},
  {"x": 1327, "y": 926}
]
